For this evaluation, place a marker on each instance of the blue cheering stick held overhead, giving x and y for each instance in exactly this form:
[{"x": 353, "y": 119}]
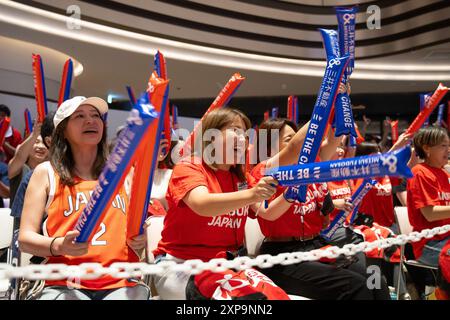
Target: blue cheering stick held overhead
[{"x": 321, "y": 113}]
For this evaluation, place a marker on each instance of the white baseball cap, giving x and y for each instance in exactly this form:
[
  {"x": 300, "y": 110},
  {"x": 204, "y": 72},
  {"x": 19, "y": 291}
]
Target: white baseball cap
[{"x": 68, "y": 107}]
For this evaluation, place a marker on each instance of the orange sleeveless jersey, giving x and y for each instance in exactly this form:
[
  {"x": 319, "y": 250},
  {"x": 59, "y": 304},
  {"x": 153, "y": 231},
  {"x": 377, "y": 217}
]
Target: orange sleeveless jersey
[{"x": 108, "y": 245}]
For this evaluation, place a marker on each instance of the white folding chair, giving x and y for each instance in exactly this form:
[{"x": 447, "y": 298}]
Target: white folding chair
[{"x": 405, "y": 227}]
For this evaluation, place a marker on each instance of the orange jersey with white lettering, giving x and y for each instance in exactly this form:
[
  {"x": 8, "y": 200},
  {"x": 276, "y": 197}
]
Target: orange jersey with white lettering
[{"x": 108, "y": 245}]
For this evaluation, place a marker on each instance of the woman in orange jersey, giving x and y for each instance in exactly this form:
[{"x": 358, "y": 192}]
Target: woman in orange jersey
[{"x": 57, "y": 194}]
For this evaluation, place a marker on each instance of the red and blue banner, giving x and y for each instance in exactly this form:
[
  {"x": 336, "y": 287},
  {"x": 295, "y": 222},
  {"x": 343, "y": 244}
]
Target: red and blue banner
[{"x": 28, "y": 122}]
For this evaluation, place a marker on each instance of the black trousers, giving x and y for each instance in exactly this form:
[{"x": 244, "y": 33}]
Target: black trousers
[{"x": 343, "y": 280}]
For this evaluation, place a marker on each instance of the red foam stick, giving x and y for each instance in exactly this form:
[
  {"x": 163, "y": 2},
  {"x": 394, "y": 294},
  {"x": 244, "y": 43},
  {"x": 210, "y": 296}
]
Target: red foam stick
[
  {"x": 39, "y": 87},
  {"x": 428, "y": 109},
  {"x": 394, "y": 131},
  {"x": 4, "y": 125},
  {"x": 146, "y": 159},
  {"x": 266, "y": 116},
  {"x": 221, "y": 100}
]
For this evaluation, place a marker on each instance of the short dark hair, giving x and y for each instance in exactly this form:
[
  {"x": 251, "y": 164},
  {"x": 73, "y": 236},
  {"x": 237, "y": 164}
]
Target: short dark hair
[
  {"x": 5, "y": 109},
  {"x": 47, "y": 127},
  {"x": 269, "y": 125}
]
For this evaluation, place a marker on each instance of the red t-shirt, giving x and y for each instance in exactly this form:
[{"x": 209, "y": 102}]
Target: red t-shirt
[
  {"x": 338, "y": 190},
  {"x": 301, "y": 219},
  {"x": 186, "y": 234},
  {"x": 378, "y": 202},
  {"x": 429, "y": 187}
]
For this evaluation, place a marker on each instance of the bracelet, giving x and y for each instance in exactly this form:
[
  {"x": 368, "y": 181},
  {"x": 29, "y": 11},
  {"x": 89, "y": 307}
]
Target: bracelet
[{"x": 51, "y": 245}]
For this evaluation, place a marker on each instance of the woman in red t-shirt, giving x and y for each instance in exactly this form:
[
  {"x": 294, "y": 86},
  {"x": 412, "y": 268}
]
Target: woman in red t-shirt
[
  {"x": 290, "y": 226},
  {"x": 428, "y": 192},
  {"x": 208, "y": 200}
]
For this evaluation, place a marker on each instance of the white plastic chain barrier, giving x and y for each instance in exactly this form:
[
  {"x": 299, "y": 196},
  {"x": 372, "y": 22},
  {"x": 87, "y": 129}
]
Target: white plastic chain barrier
[{"x": 128, "y": 270}]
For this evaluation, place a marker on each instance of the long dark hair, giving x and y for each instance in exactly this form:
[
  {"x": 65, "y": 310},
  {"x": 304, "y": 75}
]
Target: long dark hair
[{"x": 61, "y": 156}]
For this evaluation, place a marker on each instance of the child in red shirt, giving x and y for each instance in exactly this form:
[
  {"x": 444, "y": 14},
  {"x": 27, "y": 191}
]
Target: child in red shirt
[{"x": 428, "y": 192}]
